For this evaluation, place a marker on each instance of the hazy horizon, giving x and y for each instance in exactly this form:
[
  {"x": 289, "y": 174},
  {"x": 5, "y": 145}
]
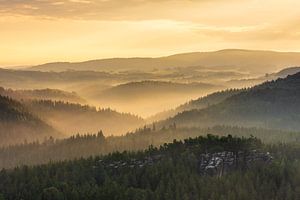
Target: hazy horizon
[
  {"x": 24, "y": 66},
  {"x": 35, "y": 32},
  {"x": 149, "y": 99}
]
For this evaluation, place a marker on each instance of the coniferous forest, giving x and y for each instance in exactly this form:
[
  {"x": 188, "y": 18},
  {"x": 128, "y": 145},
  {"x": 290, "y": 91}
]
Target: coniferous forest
[
  {"x": 149, "y": 100},
  {"x": 164, "y": 159},
  {"x": 186, "y": 169},
  {"x": 159, "y": 160}
]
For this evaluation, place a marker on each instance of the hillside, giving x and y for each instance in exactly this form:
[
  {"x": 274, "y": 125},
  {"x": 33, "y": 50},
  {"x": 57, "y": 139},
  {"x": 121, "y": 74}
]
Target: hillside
[
  {"x": 84, "y": 146},
  {"x": 208, "y": 167},
  {"x": 149, "y": 89},
  {"x": 149, "y": 97},
  {"x": 29, "y": 80},
  {"x": 70, "y": 118},
  {"x": 90, "y": 83},
  {"x": 250, "y": 82},
  {"x": 46, "y": 94},
  {"x": 287, "y": 71},
  {"x": 200, "y": 103},
  {"x": 272, "y": 104},
  {"x": 246, "y": 60},
  {"x": 209, "y": 100},
  {"x": 18, "y": 124}
]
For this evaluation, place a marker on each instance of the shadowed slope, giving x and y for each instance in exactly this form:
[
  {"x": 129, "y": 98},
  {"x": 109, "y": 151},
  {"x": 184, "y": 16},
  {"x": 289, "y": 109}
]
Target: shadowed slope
[
  {"x": 17, "y": 124},
  {"x": 273, "y": 104}
]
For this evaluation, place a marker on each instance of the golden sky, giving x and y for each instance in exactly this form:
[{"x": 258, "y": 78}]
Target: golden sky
[{"x": 39, "y": 31}]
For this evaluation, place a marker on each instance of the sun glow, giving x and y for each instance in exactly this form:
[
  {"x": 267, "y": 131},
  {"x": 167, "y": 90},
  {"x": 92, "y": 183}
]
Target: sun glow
[{"x": 34, "y": 32}]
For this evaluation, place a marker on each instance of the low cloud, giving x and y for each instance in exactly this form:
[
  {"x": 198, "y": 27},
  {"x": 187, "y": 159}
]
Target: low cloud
[
  {"x": 98, "y": 9},
  {"x": 81, "y": 9}
]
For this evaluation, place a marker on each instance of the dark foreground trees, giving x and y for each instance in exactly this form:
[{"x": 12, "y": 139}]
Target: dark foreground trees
[
  {"x": 83, "y": 146},
  {"x": 170, "y": 172}
]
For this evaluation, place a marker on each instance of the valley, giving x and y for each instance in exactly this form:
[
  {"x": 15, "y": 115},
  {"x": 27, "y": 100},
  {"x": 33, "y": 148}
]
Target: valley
[
  {"x": 129, "y": 126},
  {"x": 149, "y": 100}
]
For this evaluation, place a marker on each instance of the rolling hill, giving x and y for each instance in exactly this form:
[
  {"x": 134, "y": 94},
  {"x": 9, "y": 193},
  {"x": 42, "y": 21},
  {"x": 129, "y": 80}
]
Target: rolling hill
[
  {"x": 133, "y": 90},
  {"x": 149, "y": 97},
  {"x": 287, "y": 71},
  {"x": 250, "y": 82},
  {"x": 200, "y": 103},
  {"x": 45, "y": 94},
  {"x": 245, "y": 60},
  {"x": 17, "y": 124},
  {"x": 70, "y": 118},
  {"x": 86, "y": 83},
  {"x": 273, "y": 104}
]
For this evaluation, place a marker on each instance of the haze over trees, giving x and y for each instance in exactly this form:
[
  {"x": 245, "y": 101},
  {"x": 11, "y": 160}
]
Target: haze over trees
[
  {"x": 238, "y": 59},
  {"x": 200, "y": 103},
  {"x": 272, "y": 104},
  {"x": 70, "y": 118},
  {"x": 172, "y": 171},
  {"x": 188, "y": 126},
  {"x": 94, "y": 81},
  {"x": 149, "y": 100},
  {"x": 42, "y": 94},
  {"x": 146, "y": 97},
  {"x": 18, "y": 124},
  {"x": 84, "y": 146}
]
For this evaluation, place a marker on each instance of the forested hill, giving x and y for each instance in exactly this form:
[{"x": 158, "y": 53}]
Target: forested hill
[
  {"x": 287, "y": 71},
  {"x": 200, "y": 103},
  {"x": 84, "y": 146},
  {"x": 70, "y": 118},
  {"x": 209, "y": 100},
  {"x": 200, "y": 168},
  {"x": 148, "y": 97},
  {"x": 274, "y": 104},
  {"x": 18, "y": 124},
  {"x": 154, "y": 89},
  {"x": 50, "y": 94}
]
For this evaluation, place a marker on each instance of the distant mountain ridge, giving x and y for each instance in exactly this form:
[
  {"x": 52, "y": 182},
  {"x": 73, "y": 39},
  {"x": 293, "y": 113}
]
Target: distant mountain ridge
[
  {"x": 274, "y": 104},
  {"x": 246, "y": 60}
]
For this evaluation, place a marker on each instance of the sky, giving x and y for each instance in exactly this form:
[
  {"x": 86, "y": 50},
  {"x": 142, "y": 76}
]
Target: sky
[{"x": 40, "y": 31}]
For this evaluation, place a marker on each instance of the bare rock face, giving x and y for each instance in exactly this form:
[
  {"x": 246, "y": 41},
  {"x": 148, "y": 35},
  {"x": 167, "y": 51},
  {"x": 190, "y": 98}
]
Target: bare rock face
[
  {"x": 222, "y": 162},
  {"x": 213, "y": 164},
  {"x": 132, "y": 163}
]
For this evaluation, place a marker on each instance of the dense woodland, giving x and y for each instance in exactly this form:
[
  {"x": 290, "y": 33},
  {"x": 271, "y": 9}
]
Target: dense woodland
[
  {"x": 273, "y": 105},
  {"x": 36, "y": 119},
  {"x": 17, "y": 123},
  {"x": 70, "y": 118},
  {"x": 78, "y": 146},
  {"x": 257, "y": 127},
  {"x": 175, "y": 174},
  {"x": 200, "y": 103}
]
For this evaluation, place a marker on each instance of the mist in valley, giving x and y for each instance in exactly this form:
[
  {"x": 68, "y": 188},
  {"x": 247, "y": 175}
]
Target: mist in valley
[
  {"x": 125, "y": 98},
  {"x": 149, "y": 100}
]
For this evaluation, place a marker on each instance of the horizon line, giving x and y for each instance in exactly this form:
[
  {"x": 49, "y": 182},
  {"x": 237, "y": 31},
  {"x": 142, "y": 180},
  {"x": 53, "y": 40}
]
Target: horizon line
[{"x": 143, "y": 57}]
